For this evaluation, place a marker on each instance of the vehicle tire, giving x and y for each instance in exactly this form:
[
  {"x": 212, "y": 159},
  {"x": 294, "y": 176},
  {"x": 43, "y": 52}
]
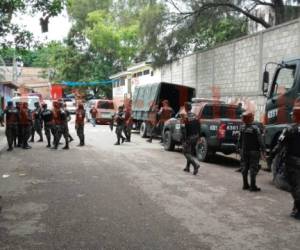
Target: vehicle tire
[
  {"x": 279, "y": 177},
  {"x": 169, "y": 144},
  {"x": 202, "y": 150},
  {"x": 143, "y": 130}
]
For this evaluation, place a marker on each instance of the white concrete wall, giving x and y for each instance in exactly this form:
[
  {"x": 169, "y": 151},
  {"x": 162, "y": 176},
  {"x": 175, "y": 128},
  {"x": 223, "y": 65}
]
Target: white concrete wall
[{"x": 234, "y": 70}]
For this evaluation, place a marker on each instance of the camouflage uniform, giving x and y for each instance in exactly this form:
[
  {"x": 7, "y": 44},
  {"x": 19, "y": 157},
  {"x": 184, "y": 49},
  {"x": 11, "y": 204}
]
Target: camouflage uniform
[
  {"x": 119, "y": 117},
  {"x": 60, "y": 128},
  {"x": 26, "y": 125},
  {"x": 191, "y": 133},
  {"x": 289, "y": 140},
  {"x": 47, "y": 117},
  {"x": 79, "y": 124},
  {"x": 12, "y": 118},
  {"x": 37, "y": 123},
  {"x": 251, "y": 145}
]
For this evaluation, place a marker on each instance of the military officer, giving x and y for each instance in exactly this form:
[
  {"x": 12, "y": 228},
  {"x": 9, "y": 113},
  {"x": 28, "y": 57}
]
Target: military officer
[
  {"x": 37, "y": 122},
  {"x": 19, "y": 129},
  {"x": 289, "y": 140},
  {"x": 128, "y": 122},
  {"x": 47, "y": 118},
  {"x": 59, "y": 124},
  {"x": 79, "y": 123},
  {"x": 152, "y": 120},
  {"x": 26, "y": 124},
  {"x": 119, "y": 118},
  {"x": 251, "y": 148},
  {"x": 191, "y": 132},
  {"x": 12, "y": 118}
]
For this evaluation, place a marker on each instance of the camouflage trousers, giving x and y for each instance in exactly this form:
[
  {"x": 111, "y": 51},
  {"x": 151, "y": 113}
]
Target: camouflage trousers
[
  {"x": 119, "y": 130},
  {"x": 80, "y": 133},
  {"x": 293, "y": 177},
  {"x": 59, "y": 131},
  {"x": 37, "y": 127},
  {"x": 250, "y": 162},
  {"x": 25, "y": 134},
  {"x": 189, "y": 151},
  {"x": 11, "y": 133},
  {"x": 48, "y": 128}
]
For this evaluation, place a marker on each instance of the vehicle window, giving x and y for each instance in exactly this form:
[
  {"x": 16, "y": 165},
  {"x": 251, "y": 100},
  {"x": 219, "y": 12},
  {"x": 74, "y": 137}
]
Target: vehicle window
[
  {"x": 146, "y": 72},
  {"x": 285, "y": 80},
  {"x": 196, "y": 109},
  {"x": 223, "y": 112},
  {"x": 105, "y": 105}
]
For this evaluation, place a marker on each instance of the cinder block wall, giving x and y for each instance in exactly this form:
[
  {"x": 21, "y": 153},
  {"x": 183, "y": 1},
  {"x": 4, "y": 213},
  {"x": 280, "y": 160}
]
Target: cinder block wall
[{"x": 234, "y": 70}]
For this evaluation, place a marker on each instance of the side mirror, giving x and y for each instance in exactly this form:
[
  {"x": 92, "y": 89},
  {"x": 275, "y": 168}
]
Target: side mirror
[{"x": 266, "y": 80}]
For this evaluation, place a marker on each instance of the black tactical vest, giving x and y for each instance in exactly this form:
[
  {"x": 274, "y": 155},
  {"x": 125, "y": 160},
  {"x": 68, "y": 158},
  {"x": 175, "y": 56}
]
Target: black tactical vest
[
  {"x": 47, "y": 115},
  {"x": 192, "y": 125},
  {"x": 293, "y": 140},
  {"x": 250, "y": 138}
]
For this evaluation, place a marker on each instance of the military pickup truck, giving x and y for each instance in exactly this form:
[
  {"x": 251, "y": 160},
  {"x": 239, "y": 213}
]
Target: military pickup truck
[{"x": 220, "y": 125}]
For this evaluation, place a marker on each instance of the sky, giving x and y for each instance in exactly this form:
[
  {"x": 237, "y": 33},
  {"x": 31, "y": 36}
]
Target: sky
[{"x": 57, "y": 30}]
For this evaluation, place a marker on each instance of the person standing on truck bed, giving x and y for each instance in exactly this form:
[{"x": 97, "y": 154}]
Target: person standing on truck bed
[
  {"x": 251, "y": 145},
  {"x": 152, "y": 120},
  {"x": 164, "y": 114},
  {"x": 191, "y": 132},
  {"x": 289, "y": 140}
]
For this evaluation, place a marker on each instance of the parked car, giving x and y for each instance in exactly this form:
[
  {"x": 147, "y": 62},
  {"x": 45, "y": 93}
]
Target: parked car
[
  {"x": 31, "y": 100},
  {"x": 70, "y": 105},
  {"x": 105, "y": 110},
  {"x": 220, "y": 125}
]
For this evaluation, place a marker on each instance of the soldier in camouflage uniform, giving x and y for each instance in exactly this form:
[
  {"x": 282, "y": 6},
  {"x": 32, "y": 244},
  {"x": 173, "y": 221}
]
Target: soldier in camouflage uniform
[
  {"x": 26, "y": 124},
  {"x": 79, "y": 123},
  {"x": 37, "y": 122},
  {"x": 119, "y": 118},
  {"x": 190, "y": 127},
  {"x": 251, "y": 146},
  {"x": 289, "y": 140},
  {"x": 12, "y": 118},
  {"x": 47, "y": 118},
  {"x": 59, "y": 124}
]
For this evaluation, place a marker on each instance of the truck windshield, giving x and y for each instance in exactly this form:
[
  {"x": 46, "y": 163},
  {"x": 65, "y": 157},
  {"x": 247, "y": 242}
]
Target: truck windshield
[{"x": 284, "y": 81}]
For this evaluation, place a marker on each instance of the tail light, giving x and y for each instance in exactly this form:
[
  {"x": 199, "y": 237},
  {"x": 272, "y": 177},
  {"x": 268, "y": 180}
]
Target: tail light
[{"x": 222, "y": 131}]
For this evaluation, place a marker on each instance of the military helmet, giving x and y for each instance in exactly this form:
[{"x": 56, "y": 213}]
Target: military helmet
[{"x": 248, "y": 117}]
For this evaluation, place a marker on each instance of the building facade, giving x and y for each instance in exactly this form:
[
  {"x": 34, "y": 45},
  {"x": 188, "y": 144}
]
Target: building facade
[{"x": 124, "y": 83}]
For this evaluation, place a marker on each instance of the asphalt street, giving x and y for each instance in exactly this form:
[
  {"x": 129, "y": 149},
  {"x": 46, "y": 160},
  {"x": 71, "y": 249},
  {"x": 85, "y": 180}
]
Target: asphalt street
[{"x": 135, "y": 196}]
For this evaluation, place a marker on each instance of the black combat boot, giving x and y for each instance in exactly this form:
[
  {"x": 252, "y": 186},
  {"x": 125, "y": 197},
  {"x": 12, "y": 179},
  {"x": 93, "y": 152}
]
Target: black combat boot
[
  {"x": 32, "y": 139},
  {"x": 66, "y": 147},
  {"x": 196, "y": 168},
  {"x": 294, "y": 211},
  {"x": 245, "y": 182},
  {"x": 10, "y": 149},
  {"x": 187, "y": 168},
  {"x": 253, "y": 187},
  {"x": 149, "y": 140},
  {"x": 123, "y": 139}
]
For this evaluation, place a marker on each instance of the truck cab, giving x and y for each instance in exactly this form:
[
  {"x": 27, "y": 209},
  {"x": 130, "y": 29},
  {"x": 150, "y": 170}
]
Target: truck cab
[{"x": 281, "y": 93}]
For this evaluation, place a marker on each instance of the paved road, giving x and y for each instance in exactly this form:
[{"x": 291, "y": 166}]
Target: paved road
[{"x": 135, "y": 196}]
